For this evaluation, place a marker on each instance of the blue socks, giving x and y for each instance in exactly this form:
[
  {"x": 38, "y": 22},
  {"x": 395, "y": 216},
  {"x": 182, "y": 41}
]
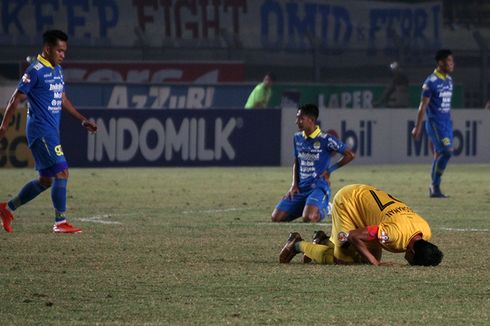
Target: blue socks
[
  {"x": 26, "y": 194},
  {"x": 438, "y": 167},
  {"x": 58, "y": 196}
]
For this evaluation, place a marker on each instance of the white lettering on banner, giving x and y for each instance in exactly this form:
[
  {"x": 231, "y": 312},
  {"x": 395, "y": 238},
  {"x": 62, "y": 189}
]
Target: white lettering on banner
[
  {"x": 120, "y": 140},
  {"x": 162, "y": 97},
  {"x": 355, "y": 100}
]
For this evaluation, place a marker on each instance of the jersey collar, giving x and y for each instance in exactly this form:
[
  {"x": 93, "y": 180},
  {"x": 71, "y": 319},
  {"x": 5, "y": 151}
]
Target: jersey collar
[
  {"x": 440, "y": 74},
  {"x": 314, "y": 134},
  {"x": 44, "y": 61}
]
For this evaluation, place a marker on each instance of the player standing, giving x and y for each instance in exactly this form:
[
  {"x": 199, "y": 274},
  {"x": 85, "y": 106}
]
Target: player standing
[
  {"x": 310, "y": 190},
  {"x": 43, "y": 86},
  {"x": 437, "y": 91}
]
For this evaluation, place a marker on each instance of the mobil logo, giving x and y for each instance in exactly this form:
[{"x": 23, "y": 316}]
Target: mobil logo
[
  {"x": 358, "y": 136},
  {"x": 465, "y": 140}
]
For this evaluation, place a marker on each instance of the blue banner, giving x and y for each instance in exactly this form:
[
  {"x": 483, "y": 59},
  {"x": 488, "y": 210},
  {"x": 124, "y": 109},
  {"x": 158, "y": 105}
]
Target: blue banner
[
  {"x": 190, "y": 96},
  {"x": 174, "y": 138}
]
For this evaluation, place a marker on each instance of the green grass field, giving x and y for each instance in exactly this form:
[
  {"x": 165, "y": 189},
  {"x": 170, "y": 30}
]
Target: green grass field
[{"x": 195, "y": 246}]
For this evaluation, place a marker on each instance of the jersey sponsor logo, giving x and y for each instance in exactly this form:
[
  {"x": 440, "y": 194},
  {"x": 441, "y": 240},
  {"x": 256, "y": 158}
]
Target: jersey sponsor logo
[
  {"x": 38, "y": 66},
  {"x": 26, "y": 79},
  {"x": 58, "y": 87},
  {"x": 308, "y": 156}
]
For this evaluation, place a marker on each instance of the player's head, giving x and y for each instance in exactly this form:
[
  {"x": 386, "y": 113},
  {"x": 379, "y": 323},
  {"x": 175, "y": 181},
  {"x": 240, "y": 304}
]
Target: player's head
[
  {"x": 269, "y": 78},
  {"x": 54, "y": 46},
  {"x": 424, "y": 253},
  {"x": 306, "y": 116},
  {"x": 445, "y": 60}
]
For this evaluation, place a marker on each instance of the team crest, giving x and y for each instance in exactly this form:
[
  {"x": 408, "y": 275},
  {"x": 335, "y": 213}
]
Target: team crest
[
  {"x": 26, "y": 79},
  {"x": 343, "y": 237},
  {"x": 383, "y": 238},
  {"x": 316, "y": 145}
]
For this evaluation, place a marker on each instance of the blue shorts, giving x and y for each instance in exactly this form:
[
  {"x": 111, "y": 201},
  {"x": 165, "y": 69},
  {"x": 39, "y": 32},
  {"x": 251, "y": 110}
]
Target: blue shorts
[
  {"x": 441, "y": 134},
  {"x": 48, "y": 156},
  {"x": 317, "y": 197}
]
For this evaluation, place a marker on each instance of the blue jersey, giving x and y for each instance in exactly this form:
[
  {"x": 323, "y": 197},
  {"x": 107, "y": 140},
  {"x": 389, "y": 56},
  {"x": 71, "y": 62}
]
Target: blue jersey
[
  {"x": 313, "y": 153},
  {"x": 44, "y": 86},
  {"x": 439, "y": 89}
]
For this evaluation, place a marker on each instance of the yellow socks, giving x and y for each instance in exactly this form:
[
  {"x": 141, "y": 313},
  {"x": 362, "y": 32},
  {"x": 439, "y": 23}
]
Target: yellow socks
[{"x": 320, "y": 254}]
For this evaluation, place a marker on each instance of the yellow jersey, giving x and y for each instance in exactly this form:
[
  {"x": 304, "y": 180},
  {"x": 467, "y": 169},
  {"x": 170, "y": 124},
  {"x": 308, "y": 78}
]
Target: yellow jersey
[{"x": 358, "y": 206}]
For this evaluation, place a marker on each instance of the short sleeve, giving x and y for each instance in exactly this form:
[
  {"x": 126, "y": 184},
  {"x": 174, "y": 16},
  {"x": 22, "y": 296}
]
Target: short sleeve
[
  {"x": 335, "y": 145},
  {"x": 28, "y": 80},
  {"x": 427, "y": 88}
]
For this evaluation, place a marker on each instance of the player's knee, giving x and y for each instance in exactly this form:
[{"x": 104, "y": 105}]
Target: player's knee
[
  {"x": 311, "y": 218},
  {"x": 277, "y": 216},
  {"x": 46, "y": 182},
  {"x": 63, "y": 174}
]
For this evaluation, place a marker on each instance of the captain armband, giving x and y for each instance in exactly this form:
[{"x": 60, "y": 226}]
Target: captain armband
[{"x": 372, "y": 232}]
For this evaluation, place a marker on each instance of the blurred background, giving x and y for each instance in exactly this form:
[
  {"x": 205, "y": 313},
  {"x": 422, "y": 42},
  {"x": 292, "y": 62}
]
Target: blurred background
[{"x": 206, "y": 56}]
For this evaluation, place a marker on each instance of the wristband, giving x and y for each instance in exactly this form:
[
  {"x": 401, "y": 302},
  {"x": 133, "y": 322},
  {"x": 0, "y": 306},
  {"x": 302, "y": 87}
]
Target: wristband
[{"x": 372, "y": 232}]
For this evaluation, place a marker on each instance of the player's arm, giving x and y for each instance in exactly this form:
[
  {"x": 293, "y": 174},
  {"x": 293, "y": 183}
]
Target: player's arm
[
  {"x": 294, "y": 185},
  {"x": 17, "y": 97},
  {"x": 359, "y": 237},
  {"x": 347, "y": 157},
  {"x": 417, "y": 130},
  {"x": 68, "y": 106}
]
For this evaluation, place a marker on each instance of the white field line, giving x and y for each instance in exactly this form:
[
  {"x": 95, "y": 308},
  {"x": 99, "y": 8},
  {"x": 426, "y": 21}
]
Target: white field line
[
  {"x": 465, "y": 230},
  {"x": 98, "y": 219},
  {"x": 232, "y": 209}
]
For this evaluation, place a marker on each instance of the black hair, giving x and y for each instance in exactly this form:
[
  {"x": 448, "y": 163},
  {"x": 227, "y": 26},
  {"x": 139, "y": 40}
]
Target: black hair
[
  {"x": 442, "y": 54},
  {"x": 310, "y": 110},
  {"x": 52, "y": 37},
  {"x": 271, "y": 75},
  {"x": 426, "y": 254}
]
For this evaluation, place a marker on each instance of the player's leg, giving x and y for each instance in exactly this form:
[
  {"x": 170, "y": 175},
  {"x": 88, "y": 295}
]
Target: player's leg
[
  {"x": 289, "y": 209},
  {"x": 319, "y": 253},
  {"x": 316, "y": 207},
  {"x": 442, "y": 140},
  {"x": 33, "y": 188},
  {"x": 58, "y": 197}
]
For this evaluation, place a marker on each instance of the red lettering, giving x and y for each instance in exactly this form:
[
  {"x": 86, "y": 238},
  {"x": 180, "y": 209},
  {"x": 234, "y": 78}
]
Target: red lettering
[
  {"x": 140, "y": 8},
  {"x": 207, "y": 24},
  {"x": 190, "y": 26},
  {"x": 235, "y": 11}
]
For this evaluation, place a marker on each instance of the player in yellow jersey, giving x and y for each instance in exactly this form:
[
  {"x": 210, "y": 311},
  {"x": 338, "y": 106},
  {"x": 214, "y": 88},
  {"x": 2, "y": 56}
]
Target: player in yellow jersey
[{"x": 364, "y": 221}]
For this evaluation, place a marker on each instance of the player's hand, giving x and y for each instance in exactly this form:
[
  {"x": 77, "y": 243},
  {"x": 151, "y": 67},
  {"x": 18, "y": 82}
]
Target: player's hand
[
  {"x": 90, "y": 125},
  {"x": 3, "y": 131},
  {"x": 416, "y": 133},
  {"x": 291, "y": 192}
]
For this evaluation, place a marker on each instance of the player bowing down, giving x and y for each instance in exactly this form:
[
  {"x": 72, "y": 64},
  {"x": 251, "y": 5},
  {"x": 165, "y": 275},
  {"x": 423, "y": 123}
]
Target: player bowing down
[
  {"x": 310, "y": 190},
  {"x": 366, "y": 220}
]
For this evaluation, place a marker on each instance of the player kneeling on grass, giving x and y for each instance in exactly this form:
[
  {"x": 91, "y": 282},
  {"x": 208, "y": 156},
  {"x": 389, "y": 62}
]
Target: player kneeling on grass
[
  {"x": 310, "y": 190},
  {"x": 366, "y": 220}
]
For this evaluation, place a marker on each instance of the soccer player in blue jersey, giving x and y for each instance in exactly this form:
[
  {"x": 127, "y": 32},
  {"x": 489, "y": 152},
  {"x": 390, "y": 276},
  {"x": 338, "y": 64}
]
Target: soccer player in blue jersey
[
  {"x": 43, "y": 86},
  {"x": 310, "y": 190},
  {"x": 435, "y": 104}
]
